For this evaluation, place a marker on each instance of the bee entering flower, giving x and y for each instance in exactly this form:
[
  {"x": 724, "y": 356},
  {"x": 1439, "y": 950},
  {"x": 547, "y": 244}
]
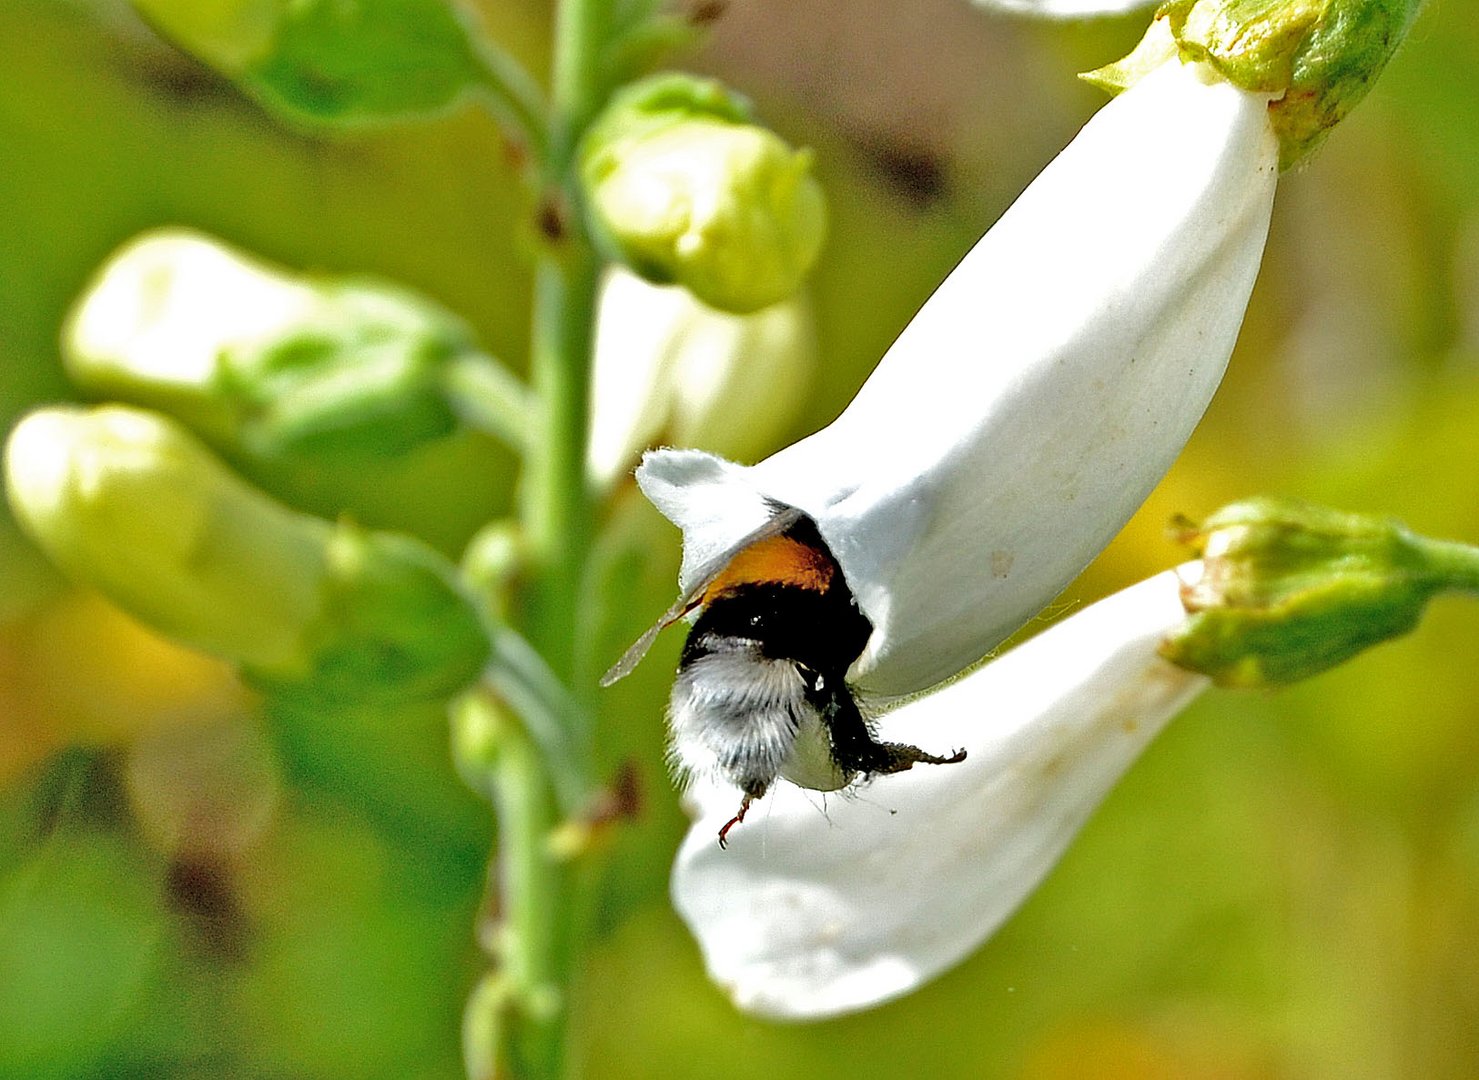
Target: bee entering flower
[
  {"x": 761, "y": 691},
  {"x": 1009, "y": 432}
]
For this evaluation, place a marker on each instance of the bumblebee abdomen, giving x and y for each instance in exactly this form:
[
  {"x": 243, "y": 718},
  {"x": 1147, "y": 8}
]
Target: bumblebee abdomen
[{"x": 735, "y": 714}]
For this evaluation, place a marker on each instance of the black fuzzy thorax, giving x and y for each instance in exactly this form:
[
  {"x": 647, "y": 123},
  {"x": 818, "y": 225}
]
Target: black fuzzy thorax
[{"x": 823, "y": 631}]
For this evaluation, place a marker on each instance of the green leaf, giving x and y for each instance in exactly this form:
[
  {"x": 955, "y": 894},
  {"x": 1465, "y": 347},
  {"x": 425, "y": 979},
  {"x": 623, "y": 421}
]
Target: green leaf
[{"x": 351, "y": 61}]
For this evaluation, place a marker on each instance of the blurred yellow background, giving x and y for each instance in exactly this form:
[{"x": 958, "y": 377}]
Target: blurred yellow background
[{"x": 1286, "y": 886}]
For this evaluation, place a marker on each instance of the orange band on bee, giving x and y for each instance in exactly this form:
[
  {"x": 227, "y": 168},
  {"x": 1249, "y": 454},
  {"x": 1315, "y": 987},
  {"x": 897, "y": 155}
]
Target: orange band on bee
[{"x": 778, "y": 560}]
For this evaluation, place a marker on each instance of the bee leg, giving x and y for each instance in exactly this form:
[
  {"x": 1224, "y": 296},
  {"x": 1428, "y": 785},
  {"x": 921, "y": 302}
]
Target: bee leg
[
  {"x": 732, "y": 822},
  {"x": 855, "y": 750},
  {"x": 901, "y": 756}
]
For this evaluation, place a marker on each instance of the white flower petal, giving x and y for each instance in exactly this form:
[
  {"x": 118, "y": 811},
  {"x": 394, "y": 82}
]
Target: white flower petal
[
  {"x": 1066, "y": 9},
  {"x": 667, "y": 365},
  {"x": 1039, "y": 394},
  {"x": 631, "y": 370},
  {"x": 818, "y": 909}
]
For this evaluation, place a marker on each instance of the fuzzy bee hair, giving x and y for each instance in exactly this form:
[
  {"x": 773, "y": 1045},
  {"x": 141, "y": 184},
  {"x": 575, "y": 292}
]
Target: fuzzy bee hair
[
  {"x": 735, "y": 715},
  {"x": 761, "y": 690}
]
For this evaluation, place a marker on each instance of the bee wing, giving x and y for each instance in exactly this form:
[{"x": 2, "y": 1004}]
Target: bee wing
[{"x": 781, "y": 519}]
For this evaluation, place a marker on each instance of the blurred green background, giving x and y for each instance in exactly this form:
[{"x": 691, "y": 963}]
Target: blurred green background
[{"x": 195, "y": 885}]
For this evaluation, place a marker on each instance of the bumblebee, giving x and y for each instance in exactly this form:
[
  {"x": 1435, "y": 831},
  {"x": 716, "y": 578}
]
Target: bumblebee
[{"x": 761, "y": 690}]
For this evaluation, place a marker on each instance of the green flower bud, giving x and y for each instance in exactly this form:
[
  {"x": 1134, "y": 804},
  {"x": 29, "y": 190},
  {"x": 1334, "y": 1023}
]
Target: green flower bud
[
  {"x": 393, "y": 618},
  {"x": 1319, "y": 57},
  {"x": 479, "y": 723},
  {"x": 129, "y": 503},
  {"x": 252, "y": 356},
  {"x": 684, "y": 189},
  {"x": 336, "y": 61},
  {"x": 1288, "y": 590}
]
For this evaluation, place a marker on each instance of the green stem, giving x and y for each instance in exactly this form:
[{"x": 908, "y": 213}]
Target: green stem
[
  {"x": 514, "y": 1022},
  {"x": 535, "y": 901},
  {"x": 556, "y": 507},
  {"x": 578, "y": 85},
  {"x": 539, "y": 892},
  {"x": 556, "y": 723},
  {"x": 1450, "y": 564},
  {"x": 556, "y": 502}
]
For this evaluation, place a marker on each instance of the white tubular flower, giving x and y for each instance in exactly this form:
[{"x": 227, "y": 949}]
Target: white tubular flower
[
  {"x": 668, "y": 366},
  {"x": 1035, "y": 399},
  {"x": 828, "y": 908}
]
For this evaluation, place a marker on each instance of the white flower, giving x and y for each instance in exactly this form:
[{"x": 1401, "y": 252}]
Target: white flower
[
  {"x": 1036, "y": 398},
  {"x": 668, "y": 366},
  {"x": 1020, "y": 418},
  {"x": 824, "y": 907}
]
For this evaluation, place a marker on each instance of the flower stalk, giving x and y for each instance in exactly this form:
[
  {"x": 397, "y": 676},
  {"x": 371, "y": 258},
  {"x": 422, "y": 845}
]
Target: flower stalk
[
  {"x": 538, "y": 908},
  {"x": 518, "y": 1013}
]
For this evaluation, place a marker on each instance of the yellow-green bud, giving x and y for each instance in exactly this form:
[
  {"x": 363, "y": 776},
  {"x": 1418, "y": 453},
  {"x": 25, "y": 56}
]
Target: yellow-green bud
[
  {"x": 1319, "y": 56},
  {"x": 252, "y": 356},
  {"x": 684, "y": 189},
  {"x": 128, "y": 502},
  {"x": 1288, "y": 590},
  {"x": 334, "y": 61}
]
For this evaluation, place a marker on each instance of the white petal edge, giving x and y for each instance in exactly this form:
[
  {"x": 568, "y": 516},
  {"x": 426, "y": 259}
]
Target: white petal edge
[
  {"x": 1065, "y": 9},
  {"x": 822, "y": 908},
  {"x": 1037, "y": 397}
]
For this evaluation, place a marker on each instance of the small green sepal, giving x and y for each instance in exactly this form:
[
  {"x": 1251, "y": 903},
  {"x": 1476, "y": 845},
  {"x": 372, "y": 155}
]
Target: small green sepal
[
  {"x": 1155, "y": 48},
  {"x": 1315, "y": 58},
  {"x": 395, "y": 624}
]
